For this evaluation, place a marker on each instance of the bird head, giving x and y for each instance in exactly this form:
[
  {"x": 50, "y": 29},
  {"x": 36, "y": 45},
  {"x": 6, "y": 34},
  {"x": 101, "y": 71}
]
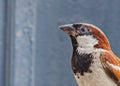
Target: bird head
[{"x": 85, "y": 35}]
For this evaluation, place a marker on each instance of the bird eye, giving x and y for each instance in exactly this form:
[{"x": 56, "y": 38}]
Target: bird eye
[{"x": 83, "y": 29}]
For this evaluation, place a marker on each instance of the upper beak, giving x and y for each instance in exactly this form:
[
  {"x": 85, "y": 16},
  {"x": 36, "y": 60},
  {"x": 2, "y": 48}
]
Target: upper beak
[{"x": 69, "y": 29}]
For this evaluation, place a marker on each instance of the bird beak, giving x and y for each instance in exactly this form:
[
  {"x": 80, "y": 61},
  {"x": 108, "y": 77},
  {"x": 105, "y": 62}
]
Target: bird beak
[{"x": 68, "y": 29}]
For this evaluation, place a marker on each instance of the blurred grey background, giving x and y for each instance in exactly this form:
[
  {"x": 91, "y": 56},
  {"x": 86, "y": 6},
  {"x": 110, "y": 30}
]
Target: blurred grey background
[{"x": 34, "y": 51}]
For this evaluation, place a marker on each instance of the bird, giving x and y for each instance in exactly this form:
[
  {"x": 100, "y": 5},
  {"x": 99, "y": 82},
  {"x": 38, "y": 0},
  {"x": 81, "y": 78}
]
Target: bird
[{"x": 93, "y": 61}]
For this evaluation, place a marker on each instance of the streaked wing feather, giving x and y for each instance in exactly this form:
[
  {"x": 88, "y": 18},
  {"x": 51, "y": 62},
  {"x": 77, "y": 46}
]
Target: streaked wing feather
[{"x": 111, "y": 64}]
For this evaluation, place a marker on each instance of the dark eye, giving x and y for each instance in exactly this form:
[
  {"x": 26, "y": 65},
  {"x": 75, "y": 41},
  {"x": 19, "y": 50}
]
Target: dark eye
[{"x": 83, "y": 29}]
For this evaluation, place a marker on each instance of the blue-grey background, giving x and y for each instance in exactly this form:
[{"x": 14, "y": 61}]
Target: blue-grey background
[{"x": 34, "y": 51}]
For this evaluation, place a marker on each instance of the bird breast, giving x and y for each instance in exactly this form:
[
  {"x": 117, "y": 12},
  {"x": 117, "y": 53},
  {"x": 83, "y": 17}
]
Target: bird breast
[{"x": 89, "y": 71}]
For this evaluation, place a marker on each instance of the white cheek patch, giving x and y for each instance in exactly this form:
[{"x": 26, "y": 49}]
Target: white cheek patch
[
  {"x": 114, "y": 66},
  {"x": 86, "y": 41}
]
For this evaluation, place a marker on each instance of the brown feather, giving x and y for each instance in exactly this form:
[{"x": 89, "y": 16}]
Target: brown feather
[
  {"x": 112, "y": 59},
  {"x": 103, "y": 42}
]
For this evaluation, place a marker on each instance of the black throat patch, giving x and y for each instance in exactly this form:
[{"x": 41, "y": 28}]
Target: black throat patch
[{"x": 81, "y": 63}]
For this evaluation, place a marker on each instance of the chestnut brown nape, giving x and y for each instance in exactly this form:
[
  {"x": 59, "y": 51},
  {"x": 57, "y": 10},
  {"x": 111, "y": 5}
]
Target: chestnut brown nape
[{"x": 99, "y": 35}]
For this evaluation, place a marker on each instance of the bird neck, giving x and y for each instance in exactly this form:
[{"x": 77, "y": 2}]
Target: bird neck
[{"x": 74, "y": 42}]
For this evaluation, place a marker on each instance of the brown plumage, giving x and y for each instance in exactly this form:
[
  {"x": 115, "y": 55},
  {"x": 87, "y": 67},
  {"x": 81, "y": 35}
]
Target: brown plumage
[
  {"x": 103, "y": 41},
  {"x": 93, "y": 62}
]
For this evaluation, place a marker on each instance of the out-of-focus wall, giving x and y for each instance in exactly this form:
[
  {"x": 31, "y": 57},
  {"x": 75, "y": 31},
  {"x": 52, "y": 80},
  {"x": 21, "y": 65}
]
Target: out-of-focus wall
[
  {"x": 20, "y": 25},
  {"x": 34, "y": 51},
  {"x": 2, "y": 42}
]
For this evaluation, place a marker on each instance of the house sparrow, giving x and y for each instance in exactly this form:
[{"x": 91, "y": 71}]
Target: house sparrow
[{"x": 93, "y": 62}]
